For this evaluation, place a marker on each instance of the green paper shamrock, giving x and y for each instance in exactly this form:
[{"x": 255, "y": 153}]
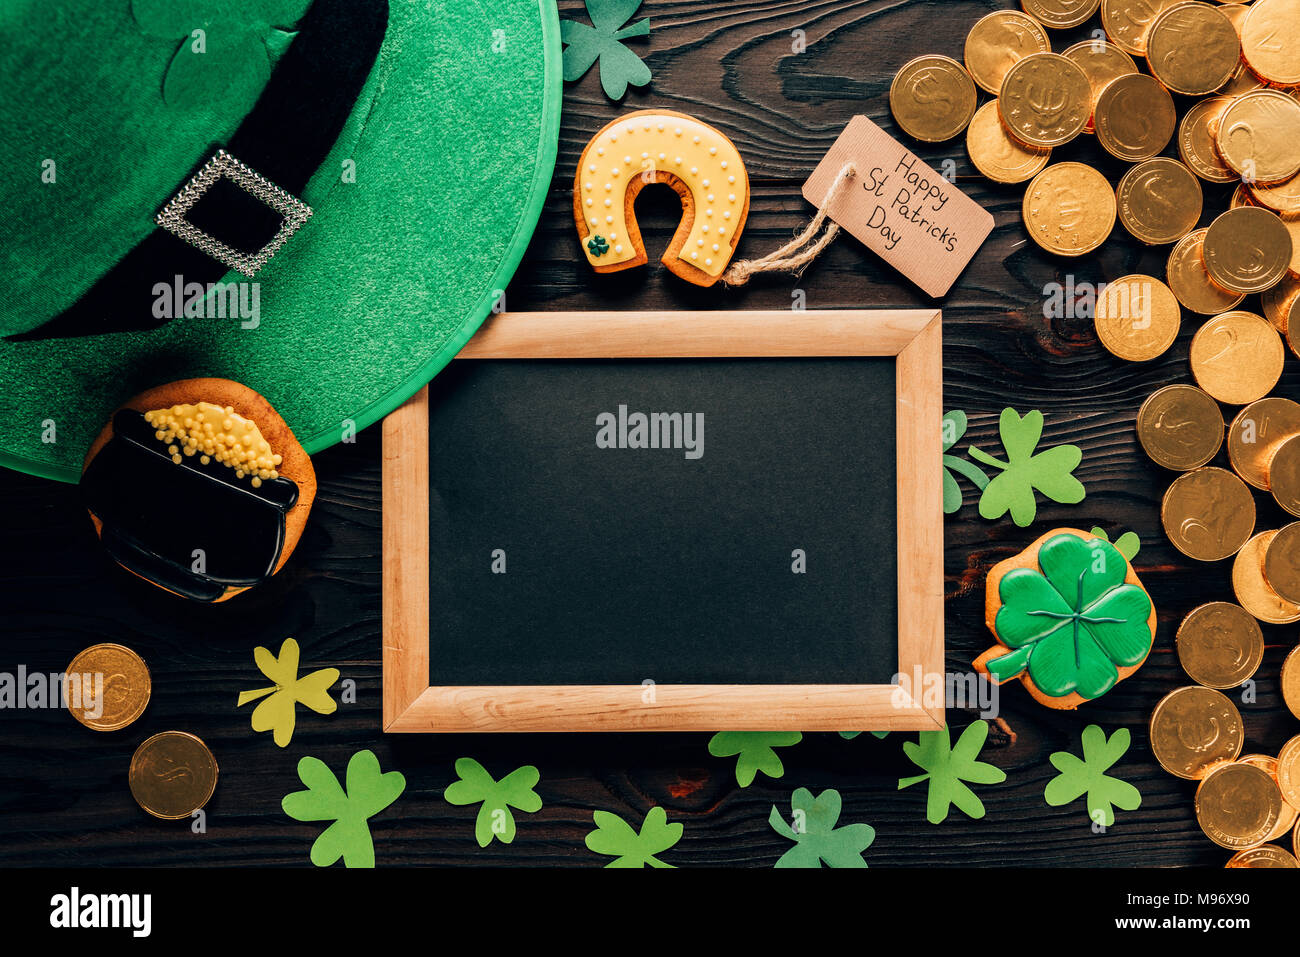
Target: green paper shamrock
[
  {"x": 954, "y": 427},
  {"x": 368, "y": 793},
  {"x": 225, "y": 46},
  {"x": 1072, "y": 624},
  {"x": 603, "y": 40},
  {"x": 946, "y": 767},
  {"x": 494, "y": 817},
  {"x": 1127, "y": 544},
  {"x": 615, "y": 838},
  {"x": 277, "y": 712},
  {"x": 816, "y": 837},
  {"x": 1088, "y": 776},
  {"x": 755, "y": 750},
  {"x": 598, "y": 245},
  {"x": 850, "y": 735},
  {"x": 1050, "y": 472}
]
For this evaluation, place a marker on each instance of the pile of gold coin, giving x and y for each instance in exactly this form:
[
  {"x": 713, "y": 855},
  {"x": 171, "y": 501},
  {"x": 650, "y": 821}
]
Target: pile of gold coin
[
  {"x": 1241, "y": 63},
  {"x": 1243, "y": 803},
  {"x": 172, "y": 774},
  {"x": 1210, "y": 514}
]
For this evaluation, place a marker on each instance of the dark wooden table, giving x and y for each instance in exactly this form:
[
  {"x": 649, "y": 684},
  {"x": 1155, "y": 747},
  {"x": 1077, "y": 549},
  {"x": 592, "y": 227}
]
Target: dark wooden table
[{"x": 64, "y": 798}]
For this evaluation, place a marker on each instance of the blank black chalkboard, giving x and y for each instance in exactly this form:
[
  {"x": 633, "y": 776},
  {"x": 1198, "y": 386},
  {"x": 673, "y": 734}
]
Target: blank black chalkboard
[{"x": 628, "y": 564}]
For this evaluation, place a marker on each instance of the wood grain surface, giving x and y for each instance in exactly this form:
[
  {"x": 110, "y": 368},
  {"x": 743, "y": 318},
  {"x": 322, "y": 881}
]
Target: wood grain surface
[{"x": 64, "y": 799}]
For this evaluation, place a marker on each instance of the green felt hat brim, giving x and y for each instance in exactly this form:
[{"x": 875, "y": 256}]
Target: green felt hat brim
[{"x": 454, "y": 148}]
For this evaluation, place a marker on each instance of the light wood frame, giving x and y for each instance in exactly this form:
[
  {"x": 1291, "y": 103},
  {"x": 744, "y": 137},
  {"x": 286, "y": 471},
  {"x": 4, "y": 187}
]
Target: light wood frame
[{"x": 913, "y": 337}]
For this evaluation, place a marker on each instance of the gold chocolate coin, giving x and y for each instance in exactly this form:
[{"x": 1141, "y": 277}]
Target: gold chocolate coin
[
  {"x": 1069, "y": 209},
  {"x": 1045, "y": 100},
  {"x": 996, "y": 153},
  {"x": 1127, "y": 21},
  {"x": 172, "y": 775},
  {"x": 1291, "y": 681},
  {"x": 1269, "y": 855},
  {"x": 1238, "y": 805},
  {"x": 1283, "y": 198},
  {"x": 1137, "y": 318},
  {"x": 1220, "y": 645},
  {"x": 1288, "y": 772},
  {"x": 932, "y": 98},
  {"x": 1257, "y": 433},
  {"x": 1180, "y": 427},
  {"x": 1284, "y": 476},
  {"x": 1270, "y": 41},
  {"x": 1268, "y": 765},
  {"x": 1060, "y": 14},
  {"x": 1279, "y": 302},
  {"x": 1282, "y": 563},
  {"x": 1135, "y": 117},
  {"x": 1248, "y": 249},
  {"x": 1259, "y": 137},
  {"x": 1196, "y": 140},
  {"x": 1237, "y": 357},
  {"x": 997, "y": 41},
  {"x": 1159, "y": 201},
  {"x": 1292, "y": 224},
  {"x": 108, "y": 687},
  {"x": 1190, "y": 281},
  {"x": 1208, "y": 514},
  {"x": 1252, "y": 591},
  {"x": 1193, "y": 729},
  {"x": 1236, "y": 13},
  {"x": 1192, "y": 48},
  {"x": 1101, "y": 62}
]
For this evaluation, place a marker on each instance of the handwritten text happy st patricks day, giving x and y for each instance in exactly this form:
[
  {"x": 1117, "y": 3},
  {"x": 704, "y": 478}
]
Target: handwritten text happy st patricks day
[
  {"x": 898, "y": 206},
  {"x": 907, "y": 193}
]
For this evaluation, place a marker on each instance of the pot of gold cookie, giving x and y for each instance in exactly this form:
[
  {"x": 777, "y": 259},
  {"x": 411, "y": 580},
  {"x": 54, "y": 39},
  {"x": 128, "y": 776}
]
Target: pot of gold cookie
[
  {"x": 199, "y": 487},
  {"x": 1071, "y": 619}
]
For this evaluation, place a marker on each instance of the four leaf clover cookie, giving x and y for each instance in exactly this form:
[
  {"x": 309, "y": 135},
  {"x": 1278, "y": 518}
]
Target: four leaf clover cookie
[{"x": 1071, "y": 619}]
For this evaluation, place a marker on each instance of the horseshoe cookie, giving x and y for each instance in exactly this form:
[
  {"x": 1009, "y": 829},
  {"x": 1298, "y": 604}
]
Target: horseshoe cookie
[
  {"x": 1071, "y": 619},
  {"x": 661, "y": 146}
]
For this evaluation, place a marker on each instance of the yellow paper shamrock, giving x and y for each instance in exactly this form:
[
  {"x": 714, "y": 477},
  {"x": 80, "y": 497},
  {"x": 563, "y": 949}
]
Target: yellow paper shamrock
[{"x": 276, "y": 713}]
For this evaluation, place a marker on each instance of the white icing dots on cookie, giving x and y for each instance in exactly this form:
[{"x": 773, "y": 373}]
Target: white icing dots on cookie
[{"x": 695, "y": 154}]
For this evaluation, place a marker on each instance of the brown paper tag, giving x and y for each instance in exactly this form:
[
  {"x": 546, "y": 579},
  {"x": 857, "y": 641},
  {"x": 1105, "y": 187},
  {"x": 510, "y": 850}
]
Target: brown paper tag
[{"x": 921, "y": 224}]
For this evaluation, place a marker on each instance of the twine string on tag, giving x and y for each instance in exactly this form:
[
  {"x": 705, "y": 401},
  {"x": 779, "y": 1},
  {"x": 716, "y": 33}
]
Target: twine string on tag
[{"x": 796, "y": 254}]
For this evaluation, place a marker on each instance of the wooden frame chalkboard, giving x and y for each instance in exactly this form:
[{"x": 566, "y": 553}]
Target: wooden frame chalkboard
[{"x": 913, "y": 337}]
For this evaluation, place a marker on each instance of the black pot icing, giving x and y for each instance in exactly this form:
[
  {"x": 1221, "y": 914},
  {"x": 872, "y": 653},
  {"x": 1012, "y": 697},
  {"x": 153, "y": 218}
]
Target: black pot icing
[{"x": 192, "y": 528}]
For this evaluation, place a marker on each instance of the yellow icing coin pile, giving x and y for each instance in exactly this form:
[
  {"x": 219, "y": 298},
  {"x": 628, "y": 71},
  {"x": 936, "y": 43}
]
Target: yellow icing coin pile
[{"x": 214, "y": 433}]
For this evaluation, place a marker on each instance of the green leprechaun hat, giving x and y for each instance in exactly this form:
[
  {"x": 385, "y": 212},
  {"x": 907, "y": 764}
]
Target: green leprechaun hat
[{"x": 321, "y": 199}]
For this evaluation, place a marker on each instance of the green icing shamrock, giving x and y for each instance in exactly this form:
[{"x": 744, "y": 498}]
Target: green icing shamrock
[
  {"x": 1075, "y": 622},
  {"x": 1088, "y": 776},
  {"x": 225, "y": 46},
  {"x": 1127, "y": 544},
  {"x": 816, "y": 837},
  {"x": 755, "y": 750},
  {"x": 598, "y": 245},
  {"x": 494, "y": 817},
  {"x": 615, "y": 838},
  {"x": 850, "y": 735},
  {"x": 954, "y": 427},
  {"x": 368, "y": 792},
  {"x": 603, "y": 40},
  {"x": 947, "y": 767},
  {"x": 1049, "y": 472}
]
